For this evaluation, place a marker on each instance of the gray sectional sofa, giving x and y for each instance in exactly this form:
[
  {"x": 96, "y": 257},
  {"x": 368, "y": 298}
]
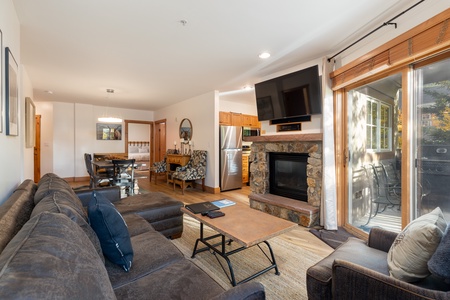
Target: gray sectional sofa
[{"x": 48, "y": 250}]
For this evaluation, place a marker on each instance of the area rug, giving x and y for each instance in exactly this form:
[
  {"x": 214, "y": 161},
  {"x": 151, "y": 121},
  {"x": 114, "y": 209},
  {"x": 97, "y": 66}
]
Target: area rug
[
  {"x": 332, "y": 238},
  {"x": 292, "y": 261}
]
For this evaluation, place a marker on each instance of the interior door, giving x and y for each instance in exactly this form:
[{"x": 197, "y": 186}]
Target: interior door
[
  {"x": 160, "y": 140},
  {"x": 37, "y": 150}
]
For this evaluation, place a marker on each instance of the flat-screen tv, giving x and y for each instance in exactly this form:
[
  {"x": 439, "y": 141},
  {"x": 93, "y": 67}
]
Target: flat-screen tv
[{"x": 292, "y": 95}]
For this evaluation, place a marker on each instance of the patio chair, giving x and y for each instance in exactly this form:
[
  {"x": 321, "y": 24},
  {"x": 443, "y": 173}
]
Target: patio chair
[
  {"x": 194, "y": 170},
  {"x": 378, "y": 201},
  {"x": 392, "y": 184}
]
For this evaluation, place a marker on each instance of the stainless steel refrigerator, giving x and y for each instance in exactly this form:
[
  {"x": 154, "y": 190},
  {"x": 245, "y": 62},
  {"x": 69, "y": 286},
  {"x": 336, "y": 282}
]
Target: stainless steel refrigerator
[{"x": 230, "y": 157}]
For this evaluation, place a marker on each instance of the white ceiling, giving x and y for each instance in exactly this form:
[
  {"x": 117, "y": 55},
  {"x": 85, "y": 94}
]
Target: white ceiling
[{"x": 79, "y": 48}]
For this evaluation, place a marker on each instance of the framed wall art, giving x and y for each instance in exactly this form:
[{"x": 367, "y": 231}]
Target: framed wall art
[
  {"x": 30, "y": 123},
  {"x": 12, "y": 94},
  {"x": 107, "y": 131}
]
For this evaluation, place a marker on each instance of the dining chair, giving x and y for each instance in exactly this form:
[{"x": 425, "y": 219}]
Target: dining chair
[
  {"x": 95, "y": 179},
  {"x": 124, "y": 174}
]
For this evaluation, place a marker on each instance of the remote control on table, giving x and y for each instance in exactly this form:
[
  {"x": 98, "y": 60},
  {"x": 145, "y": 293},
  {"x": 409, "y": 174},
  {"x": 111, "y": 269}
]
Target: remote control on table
[{"x": 215, "y": 214}]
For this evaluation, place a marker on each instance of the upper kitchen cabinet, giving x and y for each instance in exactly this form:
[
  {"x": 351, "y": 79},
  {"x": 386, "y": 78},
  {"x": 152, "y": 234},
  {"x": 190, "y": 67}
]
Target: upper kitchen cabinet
[
  {"x": 238, "y": 119},
  {"x": 250, "y": 121},
  {"x": 224, "y": 118}
]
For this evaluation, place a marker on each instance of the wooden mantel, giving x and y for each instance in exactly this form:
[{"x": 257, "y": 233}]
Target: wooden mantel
[{"x": 307, "y": 137}]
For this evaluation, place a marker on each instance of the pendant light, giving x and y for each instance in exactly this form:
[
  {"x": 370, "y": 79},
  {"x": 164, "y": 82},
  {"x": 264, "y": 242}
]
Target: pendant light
[{"x": 108, "y": 118}]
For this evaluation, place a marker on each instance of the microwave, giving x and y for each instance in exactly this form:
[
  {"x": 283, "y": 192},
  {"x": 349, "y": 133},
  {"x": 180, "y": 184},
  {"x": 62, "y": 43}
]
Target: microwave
[{"x": 248, "y": 131}]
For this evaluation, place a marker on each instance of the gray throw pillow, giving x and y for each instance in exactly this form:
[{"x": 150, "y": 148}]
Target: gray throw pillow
[
  {"x": 414, "y": 246},
  {"x": 439, "y": 263}
]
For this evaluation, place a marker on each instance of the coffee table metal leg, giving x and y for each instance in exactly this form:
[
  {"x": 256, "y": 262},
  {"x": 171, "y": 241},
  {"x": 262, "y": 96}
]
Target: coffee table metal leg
[{"x": 222, "y": 253}]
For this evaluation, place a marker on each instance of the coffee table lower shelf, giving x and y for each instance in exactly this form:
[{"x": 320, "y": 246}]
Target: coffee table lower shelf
[{"x": 224, "y": 254}]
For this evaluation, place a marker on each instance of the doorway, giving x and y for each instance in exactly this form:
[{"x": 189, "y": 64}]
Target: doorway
[
  {"x": 139, "y": 143},
  {"x": 374, "y": 131}
]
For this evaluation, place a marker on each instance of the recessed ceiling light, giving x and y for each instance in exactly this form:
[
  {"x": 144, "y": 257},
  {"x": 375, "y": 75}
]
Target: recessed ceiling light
[
  {"x": 247, "y": 88},
  {"x": 264, "y": 55},
  {"x": 49, "y": 92}
]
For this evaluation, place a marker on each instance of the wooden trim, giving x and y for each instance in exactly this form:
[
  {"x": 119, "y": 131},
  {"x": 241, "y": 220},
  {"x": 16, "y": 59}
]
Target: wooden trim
[
  {"x": 340, "y": 148},
  {"x": 309, "y": 137},
  {"x": 441, "y": 17},
  {"x": 429, "y": 38},
  {"x": 406, "y": 167},
  {"x": 151, "y": 124}
]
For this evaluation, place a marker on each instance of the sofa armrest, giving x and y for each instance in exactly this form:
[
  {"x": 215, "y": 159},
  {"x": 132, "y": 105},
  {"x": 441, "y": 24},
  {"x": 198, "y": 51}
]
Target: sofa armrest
[
  {"x": 351, "y": 281},
  {"x": 247, "y": 291},
  {"x": 381, "y": 239},
  {"x": 112, "y": 193}
]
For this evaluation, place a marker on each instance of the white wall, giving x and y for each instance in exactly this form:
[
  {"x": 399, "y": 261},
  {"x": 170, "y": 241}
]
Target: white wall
[
  {"x": 69, "y": 131},
  {"x": 239, "y": 101},
  {"x": 203, "y": 112},
  {"x": 12, "y": 147},
  {"x": 138, "y": 132},
  {"x": 28, "y": 155}
]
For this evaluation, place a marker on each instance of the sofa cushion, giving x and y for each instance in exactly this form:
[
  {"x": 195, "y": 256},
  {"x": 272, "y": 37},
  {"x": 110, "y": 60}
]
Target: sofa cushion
[
  {"x": 50, "y": 258},
  {"x": 319, "y": 276},
  {"x": 59, "y": 202},
  {"x": 414, "y": 246},
  {"x": 111, "y": 230},
  {"x": 152, "y": 206},
  {"x": 152, "y": 251},
  {"x": 16, "y": 211},
  {"x": 51, "y": 183},
  {"x": 439, "y": 263},
  {"x": 136, "y": 224},
  {"x": 180, "y": 280}
]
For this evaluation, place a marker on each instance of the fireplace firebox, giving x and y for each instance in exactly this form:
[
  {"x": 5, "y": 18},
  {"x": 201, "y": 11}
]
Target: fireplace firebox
[{"x": 288, "y": 175}]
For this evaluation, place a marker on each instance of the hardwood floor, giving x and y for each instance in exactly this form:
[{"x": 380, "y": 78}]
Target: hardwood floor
[{"x": 299, "y": 236}]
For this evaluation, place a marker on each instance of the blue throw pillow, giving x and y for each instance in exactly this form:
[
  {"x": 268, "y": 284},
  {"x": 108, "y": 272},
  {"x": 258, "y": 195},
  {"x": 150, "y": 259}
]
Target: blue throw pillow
[
  {"x": 112, "y": 231},
  {"x": 439, "y": 263}
]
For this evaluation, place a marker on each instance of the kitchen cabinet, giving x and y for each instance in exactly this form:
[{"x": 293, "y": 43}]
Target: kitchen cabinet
[
  {"x": 254, "y": 122},
  {"x": 246, "y": 120},
  {"x": 224, "y": 118},
  {"x": 245, "y": 168},
  {"x": 236, "y": 119}
]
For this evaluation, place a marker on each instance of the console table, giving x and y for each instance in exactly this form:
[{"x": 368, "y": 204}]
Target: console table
[{"x": 177, "y": 160}]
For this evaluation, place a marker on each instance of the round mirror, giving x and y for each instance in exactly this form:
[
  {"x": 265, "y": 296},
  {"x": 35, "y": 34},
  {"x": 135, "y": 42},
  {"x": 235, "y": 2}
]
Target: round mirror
[{"x": 186, "y": 130}]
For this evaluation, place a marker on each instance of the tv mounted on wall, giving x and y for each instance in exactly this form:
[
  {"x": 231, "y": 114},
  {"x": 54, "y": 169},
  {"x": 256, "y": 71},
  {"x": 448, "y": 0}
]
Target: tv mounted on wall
[{"x": 293, "y": 95}]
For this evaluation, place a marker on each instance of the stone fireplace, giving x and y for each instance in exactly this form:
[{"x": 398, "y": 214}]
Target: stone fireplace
[{"x": 305, "y": 213}]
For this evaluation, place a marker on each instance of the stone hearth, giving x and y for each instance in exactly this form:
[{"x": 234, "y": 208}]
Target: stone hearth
[{"x": 301, "y": 212}]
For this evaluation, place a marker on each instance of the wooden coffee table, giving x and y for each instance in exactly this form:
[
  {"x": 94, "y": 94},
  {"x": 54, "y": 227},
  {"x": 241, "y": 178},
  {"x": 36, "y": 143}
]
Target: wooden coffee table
[{"x": 244, "y": 225}]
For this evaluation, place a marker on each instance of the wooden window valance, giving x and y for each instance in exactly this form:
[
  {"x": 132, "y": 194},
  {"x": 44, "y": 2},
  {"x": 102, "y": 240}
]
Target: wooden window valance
[{"x": 430, "y": 37}]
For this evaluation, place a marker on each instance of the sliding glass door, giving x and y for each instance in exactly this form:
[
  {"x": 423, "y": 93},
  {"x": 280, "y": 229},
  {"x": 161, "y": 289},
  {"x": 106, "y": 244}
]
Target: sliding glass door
[{"x": 432, "y": 137}]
